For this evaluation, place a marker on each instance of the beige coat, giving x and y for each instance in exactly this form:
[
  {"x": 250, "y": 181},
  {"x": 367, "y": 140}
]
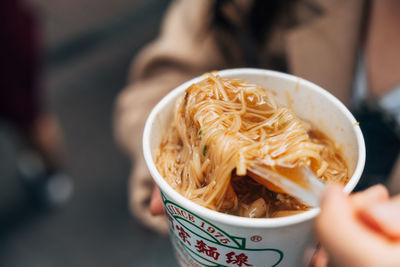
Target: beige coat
[{"x": 321, "y": 48}]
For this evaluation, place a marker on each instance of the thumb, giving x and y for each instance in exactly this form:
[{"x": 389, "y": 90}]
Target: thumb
[{"x": 332, "y": 220}]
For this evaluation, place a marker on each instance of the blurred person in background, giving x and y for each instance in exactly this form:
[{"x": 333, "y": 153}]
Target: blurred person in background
[
  {"x": 22, "y": 105},
  {"x": 349, "y": 48}
]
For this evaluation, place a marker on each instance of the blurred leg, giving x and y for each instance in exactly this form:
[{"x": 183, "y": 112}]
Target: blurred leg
[
  {"x": 19, "y": 64},
  {"x": 21, "y": 103}
]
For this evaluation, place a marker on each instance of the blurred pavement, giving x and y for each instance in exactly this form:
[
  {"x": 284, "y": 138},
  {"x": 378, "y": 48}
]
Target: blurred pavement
[{"x": 90, "y": 45}]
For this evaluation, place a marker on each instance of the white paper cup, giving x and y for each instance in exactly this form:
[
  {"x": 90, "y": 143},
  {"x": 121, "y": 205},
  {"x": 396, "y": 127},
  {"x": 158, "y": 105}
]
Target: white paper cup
[{"x": 203, "y": 237}]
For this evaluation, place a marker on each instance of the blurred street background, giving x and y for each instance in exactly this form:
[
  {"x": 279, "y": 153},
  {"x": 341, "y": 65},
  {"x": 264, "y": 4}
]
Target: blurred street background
[
  {"x": 57, "y": 212},
  {"x": 88, "y": 47}
]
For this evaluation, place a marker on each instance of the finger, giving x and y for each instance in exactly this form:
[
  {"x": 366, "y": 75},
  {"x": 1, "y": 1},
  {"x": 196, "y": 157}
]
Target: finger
[
  {"x": 344, "y": 237},
  {"x": 156, "y": 205},
  {"x": 374, "y": 194},
  {"x": 384, "y": 217},
  {"x": 320, "y": 259}
]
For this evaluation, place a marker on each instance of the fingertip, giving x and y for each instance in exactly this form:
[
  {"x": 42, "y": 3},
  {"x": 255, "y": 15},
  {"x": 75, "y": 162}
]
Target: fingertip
[
  {"x": 374, "y": 194},
  {"x": 331, "y": 192},
  {"x": 378, "y": 191},
  {"x": 156, "y": 206},
  {"x": 321, "y": 259}
]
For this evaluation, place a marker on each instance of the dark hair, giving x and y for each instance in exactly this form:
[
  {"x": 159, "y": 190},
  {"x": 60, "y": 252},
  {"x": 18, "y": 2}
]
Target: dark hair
[{"x": 263, "y": 13}]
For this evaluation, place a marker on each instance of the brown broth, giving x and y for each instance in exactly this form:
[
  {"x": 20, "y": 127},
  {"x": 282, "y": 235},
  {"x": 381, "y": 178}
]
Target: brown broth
[
  {"x": 279, "y": 204},
  {"x": 248, "y": 191}
]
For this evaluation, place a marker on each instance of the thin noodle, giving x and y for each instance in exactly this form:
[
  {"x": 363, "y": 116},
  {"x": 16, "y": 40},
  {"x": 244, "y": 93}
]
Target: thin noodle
[{"x": 223, "y": 126}]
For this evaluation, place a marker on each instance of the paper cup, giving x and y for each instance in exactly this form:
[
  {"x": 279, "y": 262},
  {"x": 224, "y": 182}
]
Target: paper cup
[{"x": 203, "y": 237}]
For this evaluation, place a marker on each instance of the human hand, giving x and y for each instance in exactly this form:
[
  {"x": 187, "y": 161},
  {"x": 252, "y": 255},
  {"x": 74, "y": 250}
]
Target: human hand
[
  {"x": 359, "y": 230},
  {"x": 141, "y": 189}
]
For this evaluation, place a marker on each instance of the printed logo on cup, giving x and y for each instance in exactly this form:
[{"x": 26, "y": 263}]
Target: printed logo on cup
[{"x": 197, "y": 242}]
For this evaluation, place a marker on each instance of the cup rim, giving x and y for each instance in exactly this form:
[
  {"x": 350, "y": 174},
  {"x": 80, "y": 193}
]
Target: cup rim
[{"x": 232, "y": 219}]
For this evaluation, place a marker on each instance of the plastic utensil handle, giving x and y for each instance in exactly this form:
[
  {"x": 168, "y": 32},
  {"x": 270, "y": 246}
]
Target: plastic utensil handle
[{"x": 309, "y": 195}]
